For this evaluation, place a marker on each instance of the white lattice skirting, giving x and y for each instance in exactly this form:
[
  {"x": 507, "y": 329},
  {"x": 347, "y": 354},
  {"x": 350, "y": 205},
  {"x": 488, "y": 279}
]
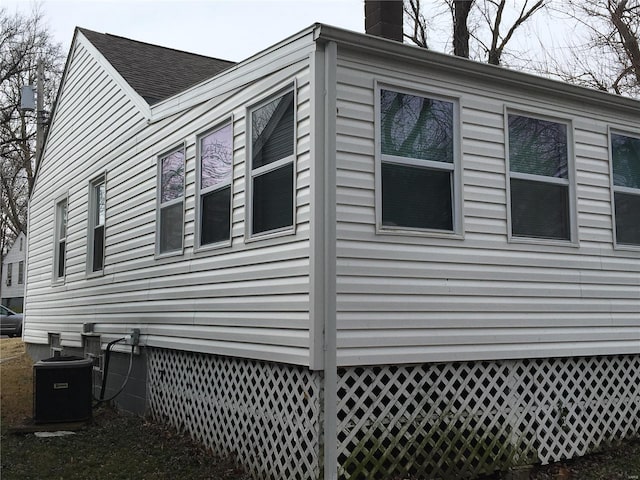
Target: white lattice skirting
[
  {"x": 459, "y": 420},
  {"x": 266, "y": 415},
  {"x": 448, "y": 421}
]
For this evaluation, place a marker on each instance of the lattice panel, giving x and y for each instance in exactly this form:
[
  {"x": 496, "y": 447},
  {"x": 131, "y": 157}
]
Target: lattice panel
[
  {"x": 460, "y": 420},
  {"x": 266, "y": 415}
]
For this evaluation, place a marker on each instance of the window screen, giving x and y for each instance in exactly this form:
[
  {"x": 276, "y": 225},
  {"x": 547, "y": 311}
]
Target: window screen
[
  {"x": 539, "y": 178},
  {"x": 417, "y": 163},
  {"x": 272, "y": 174}
]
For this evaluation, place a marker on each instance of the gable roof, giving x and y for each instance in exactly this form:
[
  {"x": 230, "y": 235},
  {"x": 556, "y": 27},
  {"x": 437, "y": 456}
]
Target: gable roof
[{"x": 154, "y": 72}]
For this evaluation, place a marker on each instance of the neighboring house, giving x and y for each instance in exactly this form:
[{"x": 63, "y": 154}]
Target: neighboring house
[
  {"x": 346, "y": 256},
  {"x": 12, "y": 286}
]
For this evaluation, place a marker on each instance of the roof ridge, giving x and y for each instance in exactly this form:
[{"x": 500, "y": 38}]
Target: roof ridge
[{"x": 106, "y": 34}]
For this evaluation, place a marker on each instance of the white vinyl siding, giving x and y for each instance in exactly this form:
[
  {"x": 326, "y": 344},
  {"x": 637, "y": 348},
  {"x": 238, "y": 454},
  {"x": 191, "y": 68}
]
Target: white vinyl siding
[
  {"x": 415, "y": 298},
  {"x": 13, "y": 259},
  {"x": 247, "y": 299}
]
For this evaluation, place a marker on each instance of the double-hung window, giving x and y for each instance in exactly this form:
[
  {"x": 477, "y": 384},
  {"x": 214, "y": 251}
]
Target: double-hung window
[
  {"x": 9, "y": 274},
  {"x": 417, "y": 172},
  {"x": 20, "y": 272},
  {"x": 272, "y": 174},
  {"x": 170, "y": 230},
  {"x": 539, "y": 178},
  {"x": 625, "y": 155},
  {"x": 60, "y": 242},
  {"x": 96, "y": 233},
  {"x": 215, "y": 151}
]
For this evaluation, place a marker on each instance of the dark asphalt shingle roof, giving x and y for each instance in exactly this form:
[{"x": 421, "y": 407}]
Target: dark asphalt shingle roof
[{"x": 155, "y": 72}]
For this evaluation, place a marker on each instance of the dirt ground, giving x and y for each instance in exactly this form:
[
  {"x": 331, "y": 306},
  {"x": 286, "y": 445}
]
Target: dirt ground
[{"x": 120, "y": 446}]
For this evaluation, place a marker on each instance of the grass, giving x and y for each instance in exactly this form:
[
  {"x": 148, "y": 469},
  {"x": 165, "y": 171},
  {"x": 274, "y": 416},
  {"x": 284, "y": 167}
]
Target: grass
[
  {"x": 119, "y": 446},
  {"x": 112, "y": 446}
]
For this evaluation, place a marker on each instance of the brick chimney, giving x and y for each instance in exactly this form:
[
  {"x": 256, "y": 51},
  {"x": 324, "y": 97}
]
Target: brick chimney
[{"x": 384, "y": 18}]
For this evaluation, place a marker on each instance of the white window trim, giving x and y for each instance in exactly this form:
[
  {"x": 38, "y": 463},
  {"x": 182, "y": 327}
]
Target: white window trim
[
  {"x": 570, "y": 181},
  {"x": 250, "y": 173},
  {"x": 57, "y": 239},
  {"x": 613, "y": 188},
  {"x": 21, "y": 272},
  {"x": 9, "y": 278},
  {"x": 91, "y": 225},
  {"x": 160, "y": 205},
  {"x": 200, "y": 192},
  {"x": 455, "y": 168}
]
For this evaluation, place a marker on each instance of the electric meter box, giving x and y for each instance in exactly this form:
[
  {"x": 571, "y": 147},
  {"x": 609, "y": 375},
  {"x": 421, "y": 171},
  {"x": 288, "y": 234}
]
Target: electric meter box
[{"x": 62, "y": 389}]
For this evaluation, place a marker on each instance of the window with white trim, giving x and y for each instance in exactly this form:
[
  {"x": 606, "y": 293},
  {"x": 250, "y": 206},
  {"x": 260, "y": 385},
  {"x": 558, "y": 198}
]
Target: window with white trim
[
  {"x": 9, "y": 274},
  {"x": 171, "y": 202},
  {"x": 272, "y": 165},
  {"x": 20, "y": 272},
  {"x": 215, "y": 172},
  {"x": 60, "y": 241},
  {"x": 417, "y": 138},
  {"x": 625, "y": 156},
  {"x": 97, "y": 218},
  {"x": 539, "y": 183}
]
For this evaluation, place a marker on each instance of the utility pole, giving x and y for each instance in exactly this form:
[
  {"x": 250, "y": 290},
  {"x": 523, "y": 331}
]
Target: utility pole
[{"x": 40, "y": 113}]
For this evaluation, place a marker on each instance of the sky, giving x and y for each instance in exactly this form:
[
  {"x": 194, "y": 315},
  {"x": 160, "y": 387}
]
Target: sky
[{"x": 226, "y": 29}]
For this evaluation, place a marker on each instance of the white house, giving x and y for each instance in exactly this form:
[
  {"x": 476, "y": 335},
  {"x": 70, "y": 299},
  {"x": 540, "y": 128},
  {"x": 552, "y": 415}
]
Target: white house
[
  {"x": 12, "y": 285},
  {"x": 346, "y": 257}
]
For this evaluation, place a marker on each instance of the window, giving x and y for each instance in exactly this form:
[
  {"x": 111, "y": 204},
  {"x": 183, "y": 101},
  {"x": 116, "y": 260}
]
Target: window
[
  {"x": 539, "y": 187},
  {"x": 21, "y": 244},
  {"x": 60, "y": 239},
  {"x": 272, "y": 166},
  {"x": 625, "y": 155},
  {"x": 171, "y": 202},
  {"x": 20, "y": 272},
  {"x": 9, "y": 274},
  {"x": 97, "y": 217},
  {"x": 215, "y": 173},
  {"x": 417, "y": 173}
]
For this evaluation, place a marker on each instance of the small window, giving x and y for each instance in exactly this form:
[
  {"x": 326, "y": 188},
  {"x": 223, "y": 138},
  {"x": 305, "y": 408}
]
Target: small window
[
  {"x": 417, "y": 163},
  {"x": 272, "y": 165},
  {"x": 625, "y": 154},
  {"x": 9, "y": 274},
  {"x": 97, "y": 218},
  {"x": 60, "y": 239},
  {"x": 215, "y": 175},
  {"x": 20, "y": 272},
  {"x": 21, "y": 243},
  {"x": 539, "y": 178},
  {"x": 171, "y": 202}
]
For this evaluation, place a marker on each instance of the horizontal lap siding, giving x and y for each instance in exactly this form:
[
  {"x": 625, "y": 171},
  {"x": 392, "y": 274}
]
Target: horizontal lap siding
[
  {"x": 247, "y": 299},
  {"x": 419, "y": 298}
]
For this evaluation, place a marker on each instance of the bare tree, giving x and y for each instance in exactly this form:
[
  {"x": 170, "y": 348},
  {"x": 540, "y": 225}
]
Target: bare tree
[
  {"x": 605, "y": 47},
  {"x": 480, "y": 29},
  {"x": 24, "y": 40}
]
